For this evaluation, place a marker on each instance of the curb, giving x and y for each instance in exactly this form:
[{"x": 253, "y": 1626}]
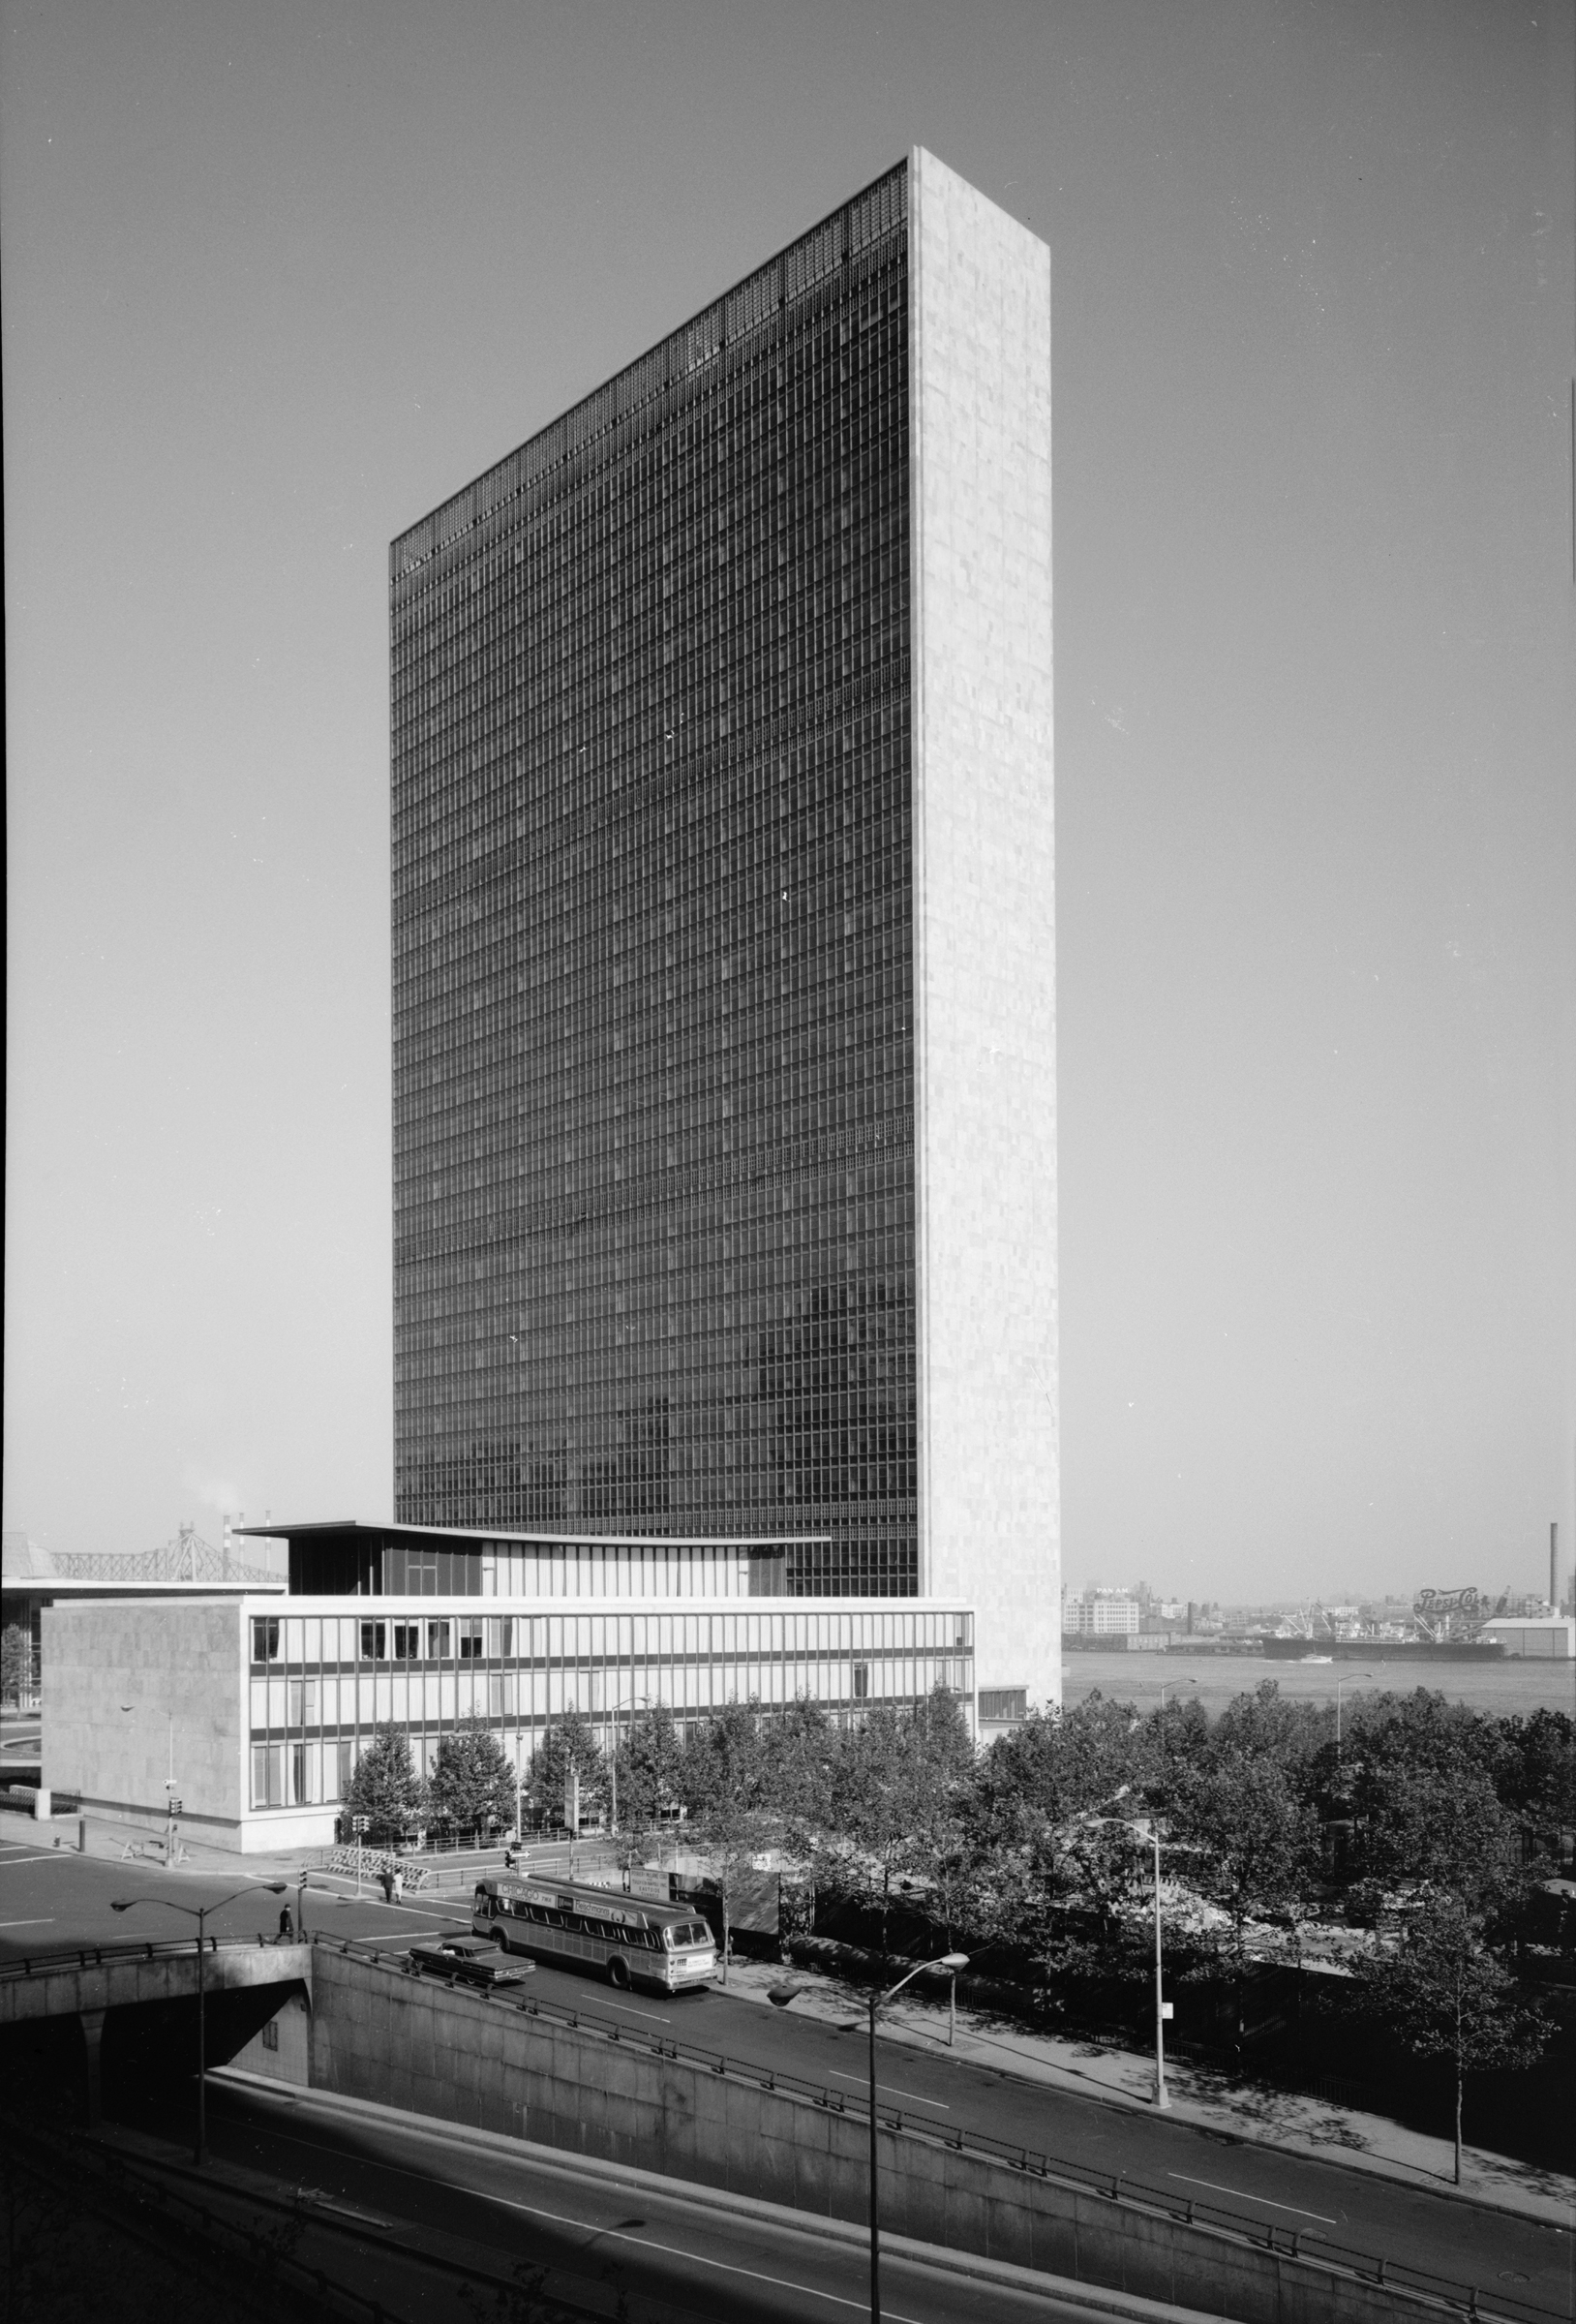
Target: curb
[
  {"x": 1375, "y": 2166},
  {"x": 1096, "y": 2299}
]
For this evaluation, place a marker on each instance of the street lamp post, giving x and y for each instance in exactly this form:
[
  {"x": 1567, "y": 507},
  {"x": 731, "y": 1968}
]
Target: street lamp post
[
  {"x": 200, "y": 1913},
  {"x": 1141, "y": 1835},
  {"x": 172, "y": 1803},
  {"x": 780, "y": 1996},
  {"x": 1161, "y": 2095}
]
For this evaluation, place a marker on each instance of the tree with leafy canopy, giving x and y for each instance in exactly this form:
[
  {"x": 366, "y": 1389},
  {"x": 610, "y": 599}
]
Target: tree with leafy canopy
[
  {"x": 1535, "y": 1774},
  {"x": 1421, "y": 1824},
  {"x": 385, "y": 1788},
  {"x": 651, "y": 1763},
  {"x": 1059, "y": 1764},
  {"x": 15, "y": 1662},
  {"x": 1266, "y": 1724},
  {"x": 571, "y": 1742},
  {"x": 890, "y": 1779},
  {"x": 731, "y": 1835},
  {"x": 799, "y": 1747},
  {"x": 726, "y": 1761},
  {"x": 942, "y": 1852},
  {"x": 1040, "y": 1866},
  {"x": 471, "y": 1784},
  {"x": 1444, "y": 1992},
  {"x": 727, "y": 1790},
  {"x": 1253, "y": 1845}
]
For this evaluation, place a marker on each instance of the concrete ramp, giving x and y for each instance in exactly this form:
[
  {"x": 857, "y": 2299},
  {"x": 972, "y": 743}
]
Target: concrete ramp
[
  {"x": 129, "y": 1976},
  {"x": 119, "y": 2022}
]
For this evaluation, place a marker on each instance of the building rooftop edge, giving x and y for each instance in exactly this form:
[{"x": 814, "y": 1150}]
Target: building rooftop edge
[
  {"x": 691, "y": 324},
  {"x": 451, "y": 1602},
  {"x": 567, "y": 1540}
]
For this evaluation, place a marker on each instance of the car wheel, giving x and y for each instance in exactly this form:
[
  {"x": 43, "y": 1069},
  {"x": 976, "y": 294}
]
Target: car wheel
[{"x": 618, "y": 1972}]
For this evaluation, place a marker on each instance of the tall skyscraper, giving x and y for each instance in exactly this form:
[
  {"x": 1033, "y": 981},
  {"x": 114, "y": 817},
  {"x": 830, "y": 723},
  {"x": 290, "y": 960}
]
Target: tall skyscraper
[{"x": 723, "y": 942}]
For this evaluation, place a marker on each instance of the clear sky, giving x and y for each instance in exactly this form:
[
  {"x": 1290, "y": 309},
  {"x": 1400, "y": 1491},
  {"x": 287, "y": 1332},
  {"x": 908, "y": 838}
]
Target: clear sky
[{"x": 277, "y": 278}]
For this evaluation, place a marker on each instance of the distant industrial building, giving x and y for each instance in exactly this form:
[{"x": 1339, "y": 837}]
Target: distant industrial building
[
  {"x": 1547, "y": 1636},
  {"x": 1103, "y": 1613}
]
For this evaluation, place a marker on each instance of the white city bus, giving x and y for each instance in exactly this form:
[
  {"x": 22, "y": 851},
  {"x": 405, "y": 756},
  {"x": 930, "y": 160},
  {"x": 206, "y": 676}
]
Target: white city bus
[{"x": 630, "y": 1940}]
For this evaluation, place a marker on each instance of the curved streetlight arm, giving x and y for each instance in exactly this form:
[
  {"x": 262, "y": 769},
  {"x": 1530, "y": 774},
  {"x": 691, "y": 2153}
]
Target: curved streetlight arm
[
  {"x": 953, "y": 1962},
  {"x": 199, "y": 1912}
]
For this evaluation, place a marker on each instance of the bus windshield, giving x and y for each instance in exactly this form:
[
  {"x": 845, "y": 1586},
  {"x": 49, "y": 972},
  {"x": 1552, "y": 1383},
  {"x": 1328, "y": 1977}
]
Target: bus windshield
[{"x": 688, "y": 1932}]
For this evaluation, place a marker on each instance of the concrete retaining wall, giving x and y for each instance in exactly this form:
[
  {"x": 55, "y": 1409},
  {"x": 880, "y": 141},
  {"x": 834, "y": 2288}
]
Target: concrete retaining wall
[
  {"x": 410, "y": 2042},
  {"x": 130, "y": 1981},
  {"x": 282, "y": 2049}
]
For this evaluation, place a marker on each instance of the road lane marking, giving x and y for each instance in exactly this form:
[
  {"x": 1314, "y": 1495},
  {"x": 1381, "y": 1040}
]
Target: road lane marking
[
  {"x": 588, "y": 2228},
  {"x": 696, "y": 2259},
  {"x": 1243, "y": 2196},
  {"x": 346, "y": 2211},
  {"x": 634, "y": 2013},
  {"x": 58, "y": 1855},
  {"x": 863, "y": 2081},
  {"x": 44, "y": 1920}
]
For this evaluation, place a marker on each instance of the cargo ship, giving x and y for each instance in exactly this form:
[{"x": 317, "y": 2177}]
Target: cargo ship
[{"x": 1380, "y": 1650}]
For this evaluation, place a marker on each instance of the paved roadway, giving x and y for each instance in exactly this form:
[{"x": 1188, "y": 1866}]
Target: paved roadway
[
  {"x": 51, "y": 1900},
  {"x": 636, "y": 2240}
]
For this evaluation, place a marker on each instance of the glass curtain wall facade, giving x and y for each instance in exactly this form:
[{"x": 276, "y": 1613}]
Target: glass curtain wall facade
[
  {"x": 652, "y": 960},
  {"x": 320, "y": 1684}
]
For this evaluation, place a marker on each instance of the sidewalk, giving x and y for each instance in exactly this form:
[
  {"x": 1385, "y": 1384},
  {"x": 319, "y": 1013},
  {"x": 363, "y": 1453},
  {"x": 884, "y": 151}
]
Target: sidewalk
[
  {"x": 1284, "y": 2120},
  {"x": 107, "y": 1840},
  {"x": 1279, "y": 2118}
]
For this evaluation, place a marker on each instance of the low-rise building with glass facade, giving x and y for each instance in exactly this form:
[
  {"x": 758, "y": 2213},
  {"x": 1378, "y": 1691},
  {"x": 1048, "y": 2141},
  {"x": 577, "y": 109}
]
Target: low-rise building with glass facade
[{"x": 265, "y": 1703}]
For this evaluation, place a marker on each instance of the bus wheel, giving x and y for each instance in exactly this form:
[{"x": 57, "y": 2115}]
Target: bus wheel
[{"x": 618, "y": 1974}]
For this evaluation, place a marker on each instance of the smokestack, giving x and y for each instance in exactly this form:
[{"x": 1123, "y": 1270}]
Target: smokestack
[{"x": 1553, "y": 1569}]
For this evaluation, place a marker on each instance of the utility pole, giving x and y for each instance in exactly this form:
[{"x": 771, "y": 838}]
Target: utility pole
[{"x": 1162, "y": 2010}]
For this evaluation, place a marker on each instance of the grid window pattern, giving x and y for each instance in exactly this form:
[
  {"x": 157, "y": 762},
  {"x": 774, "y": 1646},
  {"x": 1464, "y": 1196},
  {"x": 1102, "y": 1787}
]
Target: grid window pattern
[
  {"x": 652, "y": 960},
  {"x": 331, "y": 1679}
]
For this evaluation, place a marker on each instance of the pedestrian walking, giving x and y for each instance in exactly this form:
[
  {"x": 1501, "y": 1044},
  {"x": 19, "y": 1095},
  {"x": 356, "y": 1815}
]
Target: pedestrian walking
[
  {"x": 399, "y": 1884},
  {"x": 286, "y": 1931},
  {"x": 386, "y": 1880}
]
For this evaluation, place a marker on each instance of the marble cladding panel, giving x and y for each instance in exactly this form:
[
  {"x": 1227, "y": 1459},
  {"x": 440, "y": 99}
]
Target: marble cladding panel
[
  {"x": 137, "y": 1689},
  {"x": 984, "y": 924}
]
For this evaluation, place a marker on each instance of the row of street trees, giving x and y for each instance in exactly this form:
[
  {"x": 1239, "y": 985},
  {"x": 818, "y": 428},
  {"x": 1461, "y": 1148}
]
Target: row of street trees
[
  {"x": 1426, "y": 1823},
  {"x": 471, "y": 1786}
]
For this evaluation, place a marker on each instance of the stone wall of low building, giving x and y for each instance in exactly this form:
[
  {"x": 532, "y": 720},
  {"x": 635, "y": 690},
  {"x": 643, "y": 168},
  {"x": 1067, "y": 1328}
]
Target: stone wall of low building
[{"x": 138, "y": 1690}]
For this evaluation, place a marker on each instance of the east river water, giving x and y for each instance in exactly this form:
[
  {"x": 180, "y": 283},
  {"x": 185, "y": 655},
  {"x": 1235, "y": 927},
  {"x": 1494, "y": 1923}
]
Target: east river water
[{"x": 1502, "y": 1688}]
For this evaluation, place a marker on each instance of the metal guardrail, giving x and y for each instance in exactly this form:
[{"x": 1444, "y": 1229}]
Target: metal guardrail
[
  {"x": 1293, "y": 2243},
  {"x": 109, "y": 1956},
  {"x": 141, "y": 2177}
]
